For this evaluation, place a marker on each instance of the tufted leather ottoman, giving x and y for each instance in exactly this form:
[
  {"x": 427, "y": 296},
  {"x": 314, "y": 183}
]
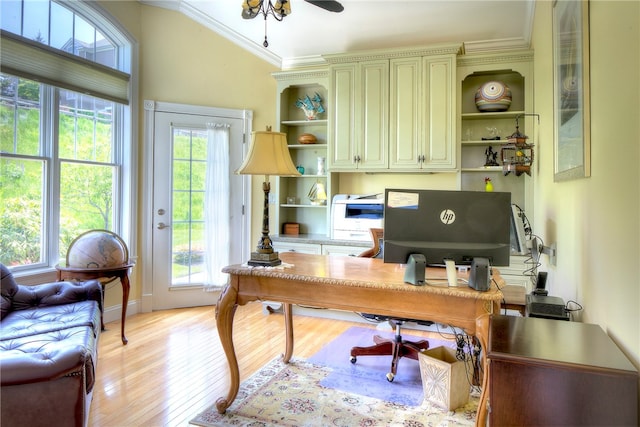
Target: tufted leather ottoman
[{"x": 48, "y": 351}]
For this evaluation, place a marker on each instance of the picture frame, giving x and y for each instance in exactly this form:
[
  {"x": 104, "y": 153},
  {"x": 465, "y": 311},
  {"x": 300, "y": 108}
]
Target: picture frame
[{"x": 571, "y": 109}]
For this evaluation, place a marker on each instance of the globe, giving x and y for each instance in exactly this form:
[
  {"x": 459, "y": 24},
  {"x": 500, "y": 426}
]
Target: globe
[{"x": 97, "y": 249}]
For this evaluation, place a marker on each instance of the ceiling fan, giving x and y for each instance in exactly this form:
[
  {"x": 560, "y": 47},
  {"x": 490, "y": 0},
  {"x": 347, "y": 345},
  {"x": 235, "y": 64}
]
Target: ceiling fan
[
  {"x": 330, "y": 5},
  {"x": 281, "y": 8}
]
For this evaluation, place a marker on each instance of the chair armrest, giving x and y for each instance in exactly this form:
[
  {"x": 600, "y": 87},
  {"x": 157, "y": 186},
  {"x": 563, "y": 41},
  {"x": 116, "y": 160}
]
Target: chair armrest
[{"x": 57, "y": 293}]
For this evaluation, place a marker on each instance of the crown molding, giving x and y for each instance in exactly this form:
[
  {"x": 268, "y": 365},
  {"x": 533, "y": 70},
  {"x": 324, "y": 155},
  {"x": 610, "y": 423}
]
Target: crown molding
[{"x": 370, "y": 55}]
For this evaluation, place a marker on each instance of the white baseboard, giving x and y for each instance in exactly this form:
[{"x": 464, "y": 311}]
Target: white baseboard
[{"x": 114, "y": 312}]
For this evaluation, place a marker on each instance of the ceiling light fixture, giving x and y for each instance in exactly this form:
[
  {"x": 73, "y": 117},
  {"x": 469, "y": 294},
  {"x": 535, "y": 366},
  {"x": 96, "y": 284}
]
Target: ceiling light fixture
[{"x": 253, "y": 8}]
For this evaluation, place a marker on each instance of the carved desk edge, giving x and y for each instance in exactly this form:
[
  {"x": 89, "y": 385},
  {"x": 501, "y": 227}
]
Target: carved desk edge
[{"x": 494, "y": 294}]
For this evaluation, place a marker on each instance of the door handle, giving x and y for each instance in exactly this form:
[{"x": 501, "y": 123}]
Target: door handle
[{"x": 162, "y": 225}]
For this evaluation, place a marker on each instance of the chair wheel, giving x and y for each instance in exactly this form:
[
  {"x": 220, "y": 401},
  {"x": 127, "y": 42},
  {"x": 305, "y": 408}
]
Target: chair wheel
[
  {"x": 390, "y": 377},
  {"x": 352, "y": 359}
]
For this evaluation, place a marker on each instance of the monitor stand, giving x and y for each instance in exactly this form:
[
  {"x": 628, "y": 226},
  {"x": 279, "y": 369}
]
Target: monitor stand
[{"x": 452, "y": 272}]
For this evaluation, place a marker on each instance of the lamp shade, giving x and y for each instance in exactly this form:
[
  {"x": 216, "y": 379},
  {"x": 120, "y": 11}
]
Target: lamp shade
[{"x": 268, "y": 155}]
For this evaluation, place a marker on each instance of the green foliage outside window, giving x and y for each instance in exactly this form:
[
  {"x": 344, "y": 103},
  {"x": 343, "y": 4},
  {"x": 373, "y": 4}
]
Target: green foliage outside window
[{"x": 87, "y": 176}]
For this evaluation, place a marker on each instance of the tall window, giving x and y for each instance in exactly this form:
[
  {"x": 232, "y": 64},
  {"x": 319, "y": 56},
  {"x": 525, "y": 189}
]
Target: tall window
[{"x": 65, "y": 164}]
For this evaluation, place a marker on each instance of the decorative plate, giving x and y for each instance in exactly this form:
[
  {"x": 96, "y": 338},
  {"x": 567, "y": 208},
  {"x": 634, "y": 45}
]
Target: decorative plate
[{"x": 493, "y": 96}]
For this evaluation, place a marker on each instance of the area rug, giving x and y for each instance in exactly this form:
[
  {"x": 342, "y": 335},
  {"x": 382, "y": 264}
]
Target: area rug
[
  {"x": 367, "y": 376},
  {"x": 296, "y": 394},
  {"x": 291, "y": 395}
]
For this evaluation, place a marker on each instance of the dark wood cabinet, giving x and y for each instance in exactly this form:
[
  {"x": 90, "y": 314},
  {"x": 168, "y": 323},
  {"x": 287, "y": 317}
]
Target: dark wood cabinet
[{"x": 547, "y": 372}]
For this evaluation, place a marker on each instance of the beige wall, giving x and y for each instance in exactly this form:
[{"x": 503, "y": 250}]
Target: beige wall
[
  {"x": 183, "y": 62},
  {"x": 596, "y": 221}
]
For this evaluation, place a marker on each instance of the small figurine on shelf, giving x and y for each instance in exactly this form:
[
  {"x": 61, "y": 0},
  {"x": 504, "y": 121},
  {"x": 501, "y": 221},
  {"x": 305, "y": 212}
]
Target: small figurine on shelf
[
  {"x": 311, "y": 106},
  {"x": 488, "y": 185},
  {"x": 491, "y": 157}
]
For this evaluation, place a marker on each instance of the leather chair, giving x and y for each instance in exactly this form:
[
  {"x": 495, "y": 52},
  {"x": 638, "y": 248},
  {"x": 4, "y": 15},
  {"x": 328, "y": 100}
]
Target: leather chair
[{"x": 397, "y": 347}]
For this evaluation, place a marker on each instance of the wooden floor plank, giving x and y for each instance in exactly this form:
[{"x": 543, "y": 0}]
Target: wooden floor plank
[{"x": 174, "y": 367}]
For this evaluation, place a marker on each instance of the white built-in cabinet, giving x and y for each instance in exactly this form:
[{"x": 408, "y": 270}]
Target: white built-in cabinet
[
  {"x": 358, "y": 128},
  {"x": 393, "y": 111},
  {"x": 292, "y": 204},
  {"x": 321, "y": 248},
  {"x": 397, "y": 111},
  {"x": 515, "y": 69},
  {"x": 422, "y": 121}
]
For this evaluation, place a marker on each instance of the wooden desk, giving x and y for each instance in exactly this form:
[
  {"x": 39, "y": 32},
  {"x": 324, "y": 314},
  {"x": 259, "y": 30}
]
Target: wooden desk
[
  {"x": 514, "y": 298},
  {"x": 550, "y": 372},
  {"x": 352, "y": 284},
  {"x": 112, "y": 273}
]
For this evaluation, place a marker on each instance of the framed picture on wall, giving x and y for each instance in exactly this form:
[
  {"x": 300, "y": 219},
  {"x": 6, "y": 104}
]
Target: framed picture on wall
[{"x": 572, "y": 121}]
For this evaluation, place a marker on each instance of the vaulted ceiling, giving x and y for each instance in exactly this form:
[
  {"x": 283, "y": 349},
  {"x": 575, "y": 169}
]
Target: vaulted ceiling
[{"x": 310, "y": 31}]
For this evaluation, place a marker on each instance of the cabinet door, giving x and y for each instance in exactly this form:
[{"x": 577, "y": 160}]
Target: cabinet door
[
  {"x": 342, "y": 125},
  {"x": 372, "y": 107},
  {"x": 337, "y": 250},
  {"x": 303, "y": 248},
  {"x": 405, "y": 111},
  {"x": 439, "y": 148},
  {"x": 422, "y": 113}
]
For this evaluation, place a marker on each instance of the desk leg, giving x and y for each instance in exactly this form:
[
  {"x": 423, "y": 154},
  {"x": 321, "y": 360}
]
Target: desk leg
[
  {"x": 225, "y": 311},
  {"x": 288, "y": 325},
  {"x": 482, "y": 334},
  {"x": 126, "y": 286}
]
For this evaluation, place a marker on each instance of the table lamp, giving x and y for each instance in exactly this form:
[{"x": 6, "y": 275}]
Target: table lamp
[{"x": 268, "y": 155}]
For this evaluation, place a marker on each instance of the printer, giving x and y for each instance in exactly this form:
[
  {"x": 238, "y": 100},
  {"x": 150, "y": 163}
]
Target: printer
[{"x": 353, "y": 215}]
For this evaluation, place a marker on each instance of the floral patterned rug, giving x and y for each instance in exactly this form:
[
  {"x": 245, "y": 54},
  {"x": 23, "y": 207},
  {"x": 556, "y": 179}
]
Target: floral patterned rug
[{"x": 292, "y": 395}]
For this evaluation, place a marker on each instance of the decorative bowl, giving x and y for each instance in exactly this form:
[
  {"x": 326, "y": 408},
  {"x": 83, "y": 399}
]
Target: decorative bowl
[
  {"x": 493, "y": 96},
  {"x": 307, "y": 138}
]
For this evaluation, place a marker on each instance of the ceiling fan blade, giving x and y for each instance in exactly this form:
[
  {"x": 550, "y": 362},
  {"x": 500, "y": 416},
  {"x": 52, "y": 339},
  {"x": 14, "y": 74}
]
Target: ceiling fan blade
[{"x": 330, "y": 5}]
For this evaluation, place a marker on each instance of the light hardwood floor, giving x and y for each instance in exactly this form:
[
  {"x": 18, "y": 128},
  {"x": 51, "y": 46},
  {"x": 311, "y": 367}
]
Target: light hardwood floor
[{"x": 174, "y": 367}]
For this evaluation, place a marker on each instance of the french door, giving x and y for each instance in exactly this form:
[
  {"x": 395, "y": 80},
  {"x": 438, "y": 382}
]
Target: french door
[{"x": 178, "y": 236}]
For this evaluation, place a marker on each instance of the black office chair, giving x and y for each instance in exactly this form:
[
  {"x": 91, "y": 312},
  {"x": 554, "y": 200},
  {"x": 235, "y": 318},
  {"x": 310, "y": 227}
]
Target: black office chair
[{"x": 397, "y": 348}]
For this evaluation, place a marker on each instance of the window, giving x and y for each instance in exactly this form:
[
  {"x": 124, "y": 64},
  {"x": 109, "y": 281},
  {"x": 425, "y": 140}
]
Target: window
[{"x": 66, "y": 156}]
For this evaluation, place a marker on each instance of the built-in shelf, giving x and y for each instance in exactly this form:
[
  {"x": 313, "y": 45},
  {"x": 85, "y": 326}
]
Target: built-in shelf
[
  {"x": 308, "y": 146},
  {"x": 303, "y": 206},
  {"x": 515, "y": 71},
  {"x": 319, "y": 122},
  {"x": 492, "y": 115},
  {"x": 486, "y": 142},
  {"x": 292, "y": 86},
  {"x": 483, "y": 169}
]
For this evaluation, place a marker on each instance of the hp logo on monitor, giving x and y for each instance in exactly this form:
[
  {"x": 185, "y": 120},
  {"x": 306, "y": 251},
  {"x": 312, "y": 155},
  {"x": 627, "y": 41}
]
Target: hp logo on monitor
[{"x": 447, "y": 216}]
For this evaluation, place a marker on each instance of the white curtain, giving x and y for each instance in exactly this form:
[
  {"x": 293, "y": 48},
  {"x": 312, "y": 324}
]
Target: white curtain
[{"x": 216, "y": 205}]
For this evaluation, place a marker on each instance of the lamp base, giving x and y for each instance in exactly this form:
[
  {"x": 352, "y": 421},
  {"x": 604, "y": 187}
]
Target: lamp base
[{"x": 264, "y": 260}]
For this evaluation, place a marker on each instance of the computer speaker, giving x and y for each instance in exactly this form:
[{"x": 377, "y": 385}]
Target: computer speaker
[
  {"x": 479, "y": 276},
  {"x": 415, "y": 269}
]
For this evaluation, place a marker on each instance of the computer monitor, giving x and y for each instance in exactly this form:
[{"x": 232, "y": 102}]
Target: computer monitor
[{"x": 447, "y": 225}]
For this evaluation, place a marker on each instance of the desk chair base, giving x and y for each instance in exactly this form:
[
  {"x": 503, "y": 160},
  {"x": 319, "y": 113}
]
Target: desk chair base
[{"x": 397, "y": 348}]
